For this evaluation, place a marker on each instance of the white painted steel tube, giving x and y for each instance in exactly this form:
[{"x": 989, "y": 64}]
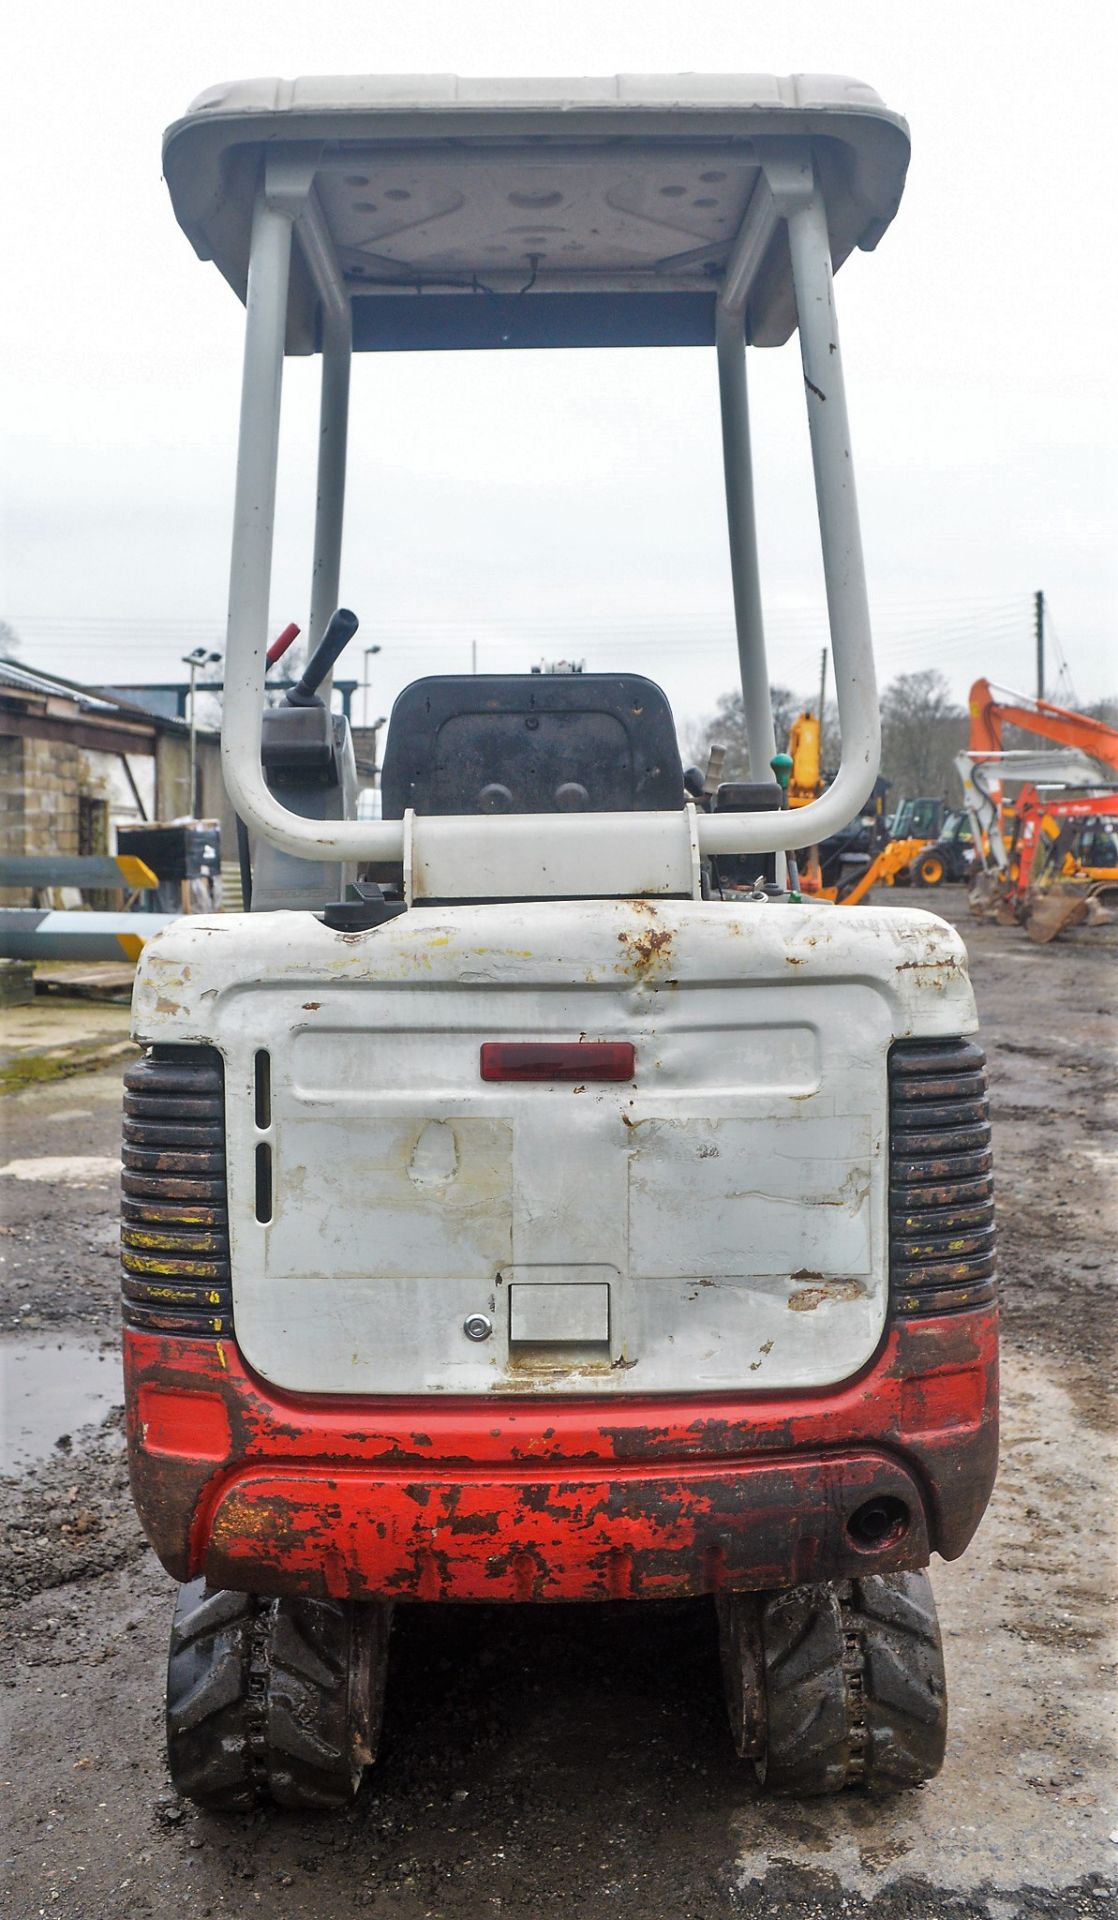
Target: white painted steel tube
[
  {"x": 251, "y": 568},
  {"x": 842, "y": 563},
  {"x": 737, "y": 460},
  {"x": 41, "y": 933},
  {"x": 552, "y": 855},
  {"x": 748, "y": 250},
  {"x": 843, "y": 567}
]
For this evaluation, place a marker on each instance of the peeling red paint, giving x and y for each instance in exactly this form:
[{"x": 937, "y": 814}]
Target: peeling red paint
[{"x": 575, "y": 1500}]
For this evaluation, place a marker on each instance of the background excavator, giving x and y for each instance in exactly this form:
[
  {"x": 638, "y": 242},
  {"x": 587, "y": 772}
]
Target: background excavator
[
  {"x": 1051, "y": 860},
  {"x": 1061, "y": 808},
  {"x": 867, "y": 853}
]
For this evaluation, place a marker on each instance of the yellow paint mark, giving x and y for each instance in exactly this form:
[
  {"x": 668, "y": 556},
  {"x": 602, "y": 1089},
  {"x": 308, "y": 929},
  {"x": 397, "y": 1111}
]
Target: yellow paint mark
[
  {"x": 221, "y": 1356},
  {"x": 136, "y": 874},
  {"x": 168, "y": 1267},
  {"x": 156, "y": 1242},
  {"x": 131, "y": 943}
]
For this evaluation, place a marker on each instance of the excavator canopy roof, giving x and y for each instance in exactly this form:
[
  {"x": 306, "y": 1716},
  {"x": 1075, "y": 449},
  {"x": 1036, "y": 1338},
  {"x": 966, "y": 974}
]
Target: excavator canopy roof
[{"x": 535, "y": 213}]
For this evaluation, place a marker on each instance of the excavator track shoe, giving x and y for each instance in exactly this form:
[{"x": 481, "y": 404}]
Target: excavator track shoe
[
  {"x": 273, "y": 1700},
  {"x": 838, "y": 1685}
]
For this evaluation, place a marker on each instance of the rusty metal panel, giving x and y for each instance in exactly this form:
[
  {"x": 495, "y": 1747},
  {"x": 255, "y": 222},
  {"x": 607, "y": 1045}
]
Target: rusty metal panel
[
  {"x": 571, "y": 1499},
  {"x": 658, "y": 1535}
]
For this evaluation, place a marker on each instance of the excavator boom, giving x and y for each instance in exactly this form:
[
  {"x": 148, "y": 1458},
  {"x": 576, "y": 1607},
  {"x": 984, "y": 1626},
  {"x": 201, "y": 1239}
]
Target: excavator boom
[{"x": 993, "y": 708}]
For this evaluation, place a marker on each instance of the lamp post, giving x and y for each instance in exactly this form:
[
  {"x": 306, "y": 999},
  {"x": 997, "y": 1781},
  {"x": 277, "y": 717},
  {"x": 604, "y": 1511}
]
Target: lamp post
[
  {"x": 365, "y": 686},
  {"x": 197, "y": 657},
  {"x": 377, "y": 725}
]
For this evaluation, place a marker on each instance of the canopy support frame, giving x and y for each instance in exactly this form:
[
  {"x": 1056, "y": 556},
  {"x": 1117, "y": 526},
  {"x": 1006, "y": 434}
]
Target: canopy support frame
[{"x": 286, "y": 202}]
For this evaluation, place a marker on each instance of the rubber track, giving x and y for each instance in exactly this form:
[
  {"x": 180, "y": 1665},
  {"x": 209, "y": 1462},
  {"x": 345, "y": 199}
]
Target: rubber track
[
  {"x": 272, "y": 1699},
  {"x": 311, "y": 1758},
  {"x": 807, "y": 1744},
  {"x": 905, "y": 1695},
  {"x": 207, "y": 1698},
  {"x": 854, "y": 1686}
]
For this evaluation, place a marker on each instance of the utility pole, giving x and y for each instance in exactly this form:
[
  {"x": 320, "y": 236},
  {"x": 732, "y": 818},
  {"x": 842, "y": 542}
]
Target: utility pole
[
  {"x": 822, "y": 688},
  {"x": 192, "y": 808},
  {"x": 1038, "y": 627},
  {"x": 197, "y": 657}
]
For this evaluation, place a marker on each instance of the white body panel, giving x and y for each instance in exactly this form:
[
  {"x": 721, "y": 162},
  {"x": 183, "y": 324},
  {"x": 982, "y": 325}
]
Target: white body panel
[{"x": 731, "y": 1198}]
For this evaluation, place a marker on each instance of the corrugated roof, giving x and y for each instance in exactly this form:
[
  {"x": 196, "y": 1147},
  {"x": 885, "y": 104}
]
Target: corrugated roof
[
  {"x": 52, "y": 686},
  {"x": 13, "y": 675}
]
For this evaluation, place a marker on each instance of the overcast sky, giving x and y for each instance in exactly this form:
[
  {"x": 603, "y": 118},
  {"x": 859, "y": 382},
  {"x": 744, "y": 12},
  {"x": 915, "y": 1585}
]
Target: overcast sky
[{"x": 546, "y": 505}]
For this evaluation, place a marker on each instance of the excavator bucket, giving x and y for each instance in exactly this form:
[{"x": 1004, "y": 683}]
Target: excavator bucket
[
  {"x": 983, "y": 897},
  {"x": 1050, "y": 914},
  {"x": 1072, "y": 903}
]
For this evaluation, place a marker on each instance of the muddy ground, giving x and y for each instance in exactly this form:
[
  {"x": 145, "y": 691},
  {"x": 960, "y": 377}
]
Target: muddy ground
[{"x": 541, "y": 1762}]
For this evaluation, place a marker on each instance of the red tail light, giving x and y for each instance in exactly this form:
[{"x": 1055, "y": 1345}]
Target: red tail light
[{"x": 557, "y": 1060}]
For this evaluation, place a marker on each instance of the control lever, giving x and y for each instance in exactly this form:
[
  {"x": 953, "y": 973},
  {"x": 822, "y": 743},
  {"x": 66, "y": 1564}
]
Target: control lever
[
  {"x": 781, "y": 764},
  {"x": 340, "y": 629},
  {"x": 279, "y": 646}
]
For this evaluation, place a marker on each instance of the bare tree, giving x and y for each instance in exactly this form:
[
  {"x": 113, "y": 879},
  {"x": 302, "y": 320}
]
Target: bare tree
[
  {"x": 11, "y": 645},
  {"x": 922, "y": 729},
  {"x": 726, "y": 728}
]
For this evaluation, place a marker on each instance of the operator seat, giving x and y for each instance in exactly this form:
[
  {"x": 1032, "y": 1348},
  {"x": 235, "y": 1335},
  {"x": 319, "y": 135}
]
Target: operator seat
[{"x": 531, "y": 743}]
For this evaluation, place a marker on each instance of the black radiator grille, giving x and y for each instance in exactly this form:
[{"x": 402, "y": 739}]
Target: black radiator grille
[
  {"x": 942, "y": 1239},
  {"x": 174, "y": 1228}
]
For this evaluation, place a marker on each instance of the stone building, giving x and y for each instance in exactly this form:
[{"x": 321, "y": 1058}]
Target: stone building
[{"x": 75, "y": 764}]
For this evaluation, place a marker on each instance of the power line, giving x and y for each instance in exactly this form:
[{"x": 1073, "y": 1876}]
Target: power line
[{"x": 483, "y": 630}]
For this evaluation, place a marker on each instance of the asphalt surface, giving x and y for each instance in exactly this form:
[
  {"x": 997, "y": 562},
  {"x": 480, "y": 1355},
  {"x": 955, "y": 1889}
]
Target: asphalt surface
[{"x": 575, "y": 1762}]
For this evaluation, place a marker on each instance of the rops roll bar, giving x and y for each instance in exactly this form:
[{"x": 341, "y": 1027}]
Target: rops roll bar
[{"x": 652, "y": 852}]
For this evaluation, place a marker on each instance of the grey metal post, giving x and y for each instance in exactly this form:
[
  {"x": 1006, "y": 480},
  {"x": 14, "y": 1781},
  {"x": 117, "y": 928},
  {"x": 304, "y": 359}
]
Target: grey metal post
[
  {"x": 1038, "y": 624},
  {"x": 254, "y": 500},
  {"x": 290, "y": 189},
  {"x": 193, "y": 741},
  {"x": 330, "y": 503},
  {"x": 742, "y": 526}
]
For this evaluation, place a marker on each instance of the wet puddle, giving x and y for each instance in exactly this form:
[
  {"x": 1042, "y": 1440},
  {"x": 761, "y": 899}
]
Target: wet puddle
[{"x": 50, "y": 1389}]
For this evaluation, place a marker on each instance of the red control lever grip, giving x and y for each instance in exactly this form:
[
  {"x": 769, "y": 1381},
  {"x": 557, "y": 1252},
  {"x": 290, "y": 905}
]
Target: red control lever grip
[{"x": 279, "y": 647}]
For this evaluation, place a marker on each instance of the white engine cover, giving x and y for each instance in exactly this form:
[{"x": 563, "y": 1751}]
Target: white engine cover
[{"x": 719, "y": 1223}]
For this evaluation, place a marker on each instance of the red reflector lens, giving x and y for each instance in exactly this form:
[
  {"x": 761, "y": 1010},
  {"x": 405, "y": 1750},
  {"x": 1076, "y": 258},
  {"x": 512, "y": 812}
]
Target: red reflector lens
[{"x": 557, "y": 1060}]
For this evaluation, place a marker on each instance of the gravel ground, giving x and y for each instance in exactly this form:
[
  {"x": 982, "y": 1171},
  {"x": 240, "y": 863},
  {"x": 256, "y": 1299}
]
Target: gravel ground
[{"x": 575, "y": 1762}]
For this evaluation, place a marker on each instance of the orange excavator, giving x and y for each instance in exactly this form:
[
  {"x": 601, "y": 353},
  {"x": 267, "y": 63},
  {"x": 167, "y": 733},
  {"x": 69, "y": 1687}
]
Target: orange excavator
[
  {"x": 993, "y": 708},
  {"x": 1059, "y": 863}
]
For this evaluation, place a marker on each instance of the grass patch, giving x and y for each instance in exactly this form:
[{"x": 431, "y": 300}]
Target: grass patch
[{"x": 41, "y": 1069}]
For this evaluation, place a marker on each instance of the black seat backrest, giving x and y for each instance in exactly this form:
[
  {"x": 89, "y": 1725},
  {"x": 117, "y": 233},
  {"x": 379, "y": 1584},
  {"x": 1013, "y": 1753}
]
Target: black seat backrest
[{"x": 531, "y": 743}]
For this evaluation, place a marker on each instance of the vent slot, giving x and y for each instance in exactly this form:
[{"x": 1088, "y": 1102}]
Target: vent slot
[
  {"x": 941, "y": 1189},
  {"x": 174, "y": 1228},
  {"x": 263, "y": 1183},
  {"x": 263, "y": 1075}
]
